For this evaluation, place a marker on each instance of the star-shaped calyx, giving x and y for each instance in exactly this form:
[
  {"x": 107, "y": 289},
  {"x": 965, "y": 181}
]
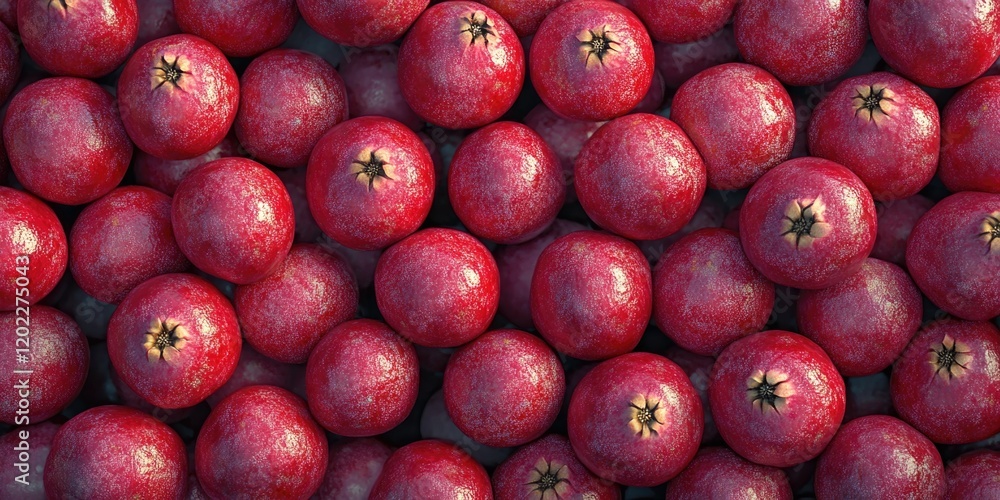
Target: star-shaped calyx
[
  {"x": 873, "y": 103},
  {"x": 170, "y": 72},
  {"x": 477, "y": 26},
  {"x": 950, "y": 358},
  {"x": 989, "y": 231},
  {"x": 165, "y": 340},
  {"x": 548, "y": 480},
  {"x": 768, "y": 391},
  {"x": 59, "y": 4},
  {"x": 597, "y": 45},
  {"x": 803, "y": 222},
  {"x": 646, "y": 416},
  {"x": 372, "y": 169}
]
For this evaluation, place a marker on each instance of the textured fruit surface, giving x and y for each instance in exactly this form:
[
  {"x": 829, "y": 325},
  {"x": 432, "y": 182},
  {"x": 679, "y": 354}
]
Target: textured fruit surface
[
  {"x": 361, "y": 23},
  {"x": 680, "y": 21},
  {"x": 969, "y": 133},
  {"x": 256, "y": 26},
  {"x": 40, "y": 436},
  {"x": 32, "y": 245},
  {"x": 720, "y": 473},
  {"x": 895, "y": 222},
  {"x": 548, "y": 467},
  {"x": 432, "y": 469},
  {"x": 973, "y": 475},
  {"x": 354, "y": 467}
]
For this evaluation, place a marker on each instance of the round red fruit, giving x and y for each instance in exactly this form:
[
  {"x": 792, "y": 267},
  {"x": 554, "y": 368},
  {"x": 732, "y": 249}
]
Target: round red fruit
[
  {"x": 740, "y": 118},
  {"x": 288, "y": 100},
  {"x": 635, "y": 420},
  {"x": 973, "y": 475},
  {"x": 681, "y": 21},
  {"x": 33, "y": 250},
  {"x": 678, "y": 62},
  {"x": 776, "y": 397},
  {"x": 475, "y": 57},
  {"x": 254, "y": 368},
  {"x": 640, "y": 177},
  {"x": 591, "y": 295},
  {"x": 438, "y": 287},
  {"x": 505, "y": 183},
  {"x": 548, "y": 468},
  {"x": 505, "y": 388},
  {"x": 895, "y": 222},
  {"x": 362, "y": 379},
  {"x": 354, "y": 467},
  {"x": 10, "y": 63},
  {"x": 969, "y": 158},
  {"x": 882, "y": 127},
  {"x": 164, "y": 175},
  {"x": 370, "y": 182},
  {"x": 719, "y": 473},
  {"x": 523, "y": 15},
  {"x": 174, "y": 340},
  {"x": 591, "y": 60},
  {"x": 283, "y": 319},
  {"x": 372, "y": 82},
  {"x": 85, "y": 38},
  {"x": 254, "y": 27},
  {"x": 809, "y": 223},
  {"x": 945, "y": 382},
  {"x": 865, "y": 321},
  {"x": 432, "y": 469},
  {"x": 112, "y": 452},
  {"x": 237, "y": 234},
  {"x": 55, "y": 369},
  {"x": 106, "y": 258},
  {"x": 72, "y": 172},
  {"x": 907, "y": 34},
  {"x": 361, "y": 23},
  {"x": 706, "y": 294},
  {"x": 951, "y": 255},
  {"x": 879, "y": 457},
  {"x": 260, "y": 442},
  {"x": 178, "y": 97},
  {"x": 156, "y": 20}
]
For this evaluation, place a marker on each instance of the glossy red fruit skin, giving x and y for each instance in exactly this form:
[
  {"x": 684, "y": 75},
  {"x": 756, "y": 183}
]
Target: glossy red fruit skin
[
  {"x": 604, "y": 426},
  {"x": 283, "y": 319},
  {"x": 950, "y": 406},
  {"x": 525, "y": 16},
  {"x": 833, "y": 248},
  {"x": 879, "y": 457},
  {"x": 432, "y": 469},
  {"x": 372, "y": 82},
  {"x": 802, "y": 421},
  {"x": 253, "y": 28},
  {"x": 355, "y": 465},
  {"x": 973, "y": 475},
  {"x": 706, "y": 294},
  {"x": 516, "y": 264},
  {"x": 59, "y": 359},
  {"x": 38, "y": 121},
  {"x": 438, "y": 287},
  {"x": 717, "y": 472},
  {"x": 548, "y": 458},
  {"x": 8, "y": 14},
  {"x": 698, "y": 368},
  {"x": 505, "y": 184},
  {"x": 742, "y": 136},
  {"x": 362, "y": 379},
  {"x": 110, "y": 452},
  {"x": 579, "y": 87},
  {"x": 682, "y": 21},
  {"x": 39, "y": 443},
  {"x": 969, "y": 134},
  {"x": 895, "y": 222},
  {"x": 230, "y": 232},
  {"x": 591, "y": 295},
  {"x": 950, "y": 255},
  {"x": 88, "y": 39},
  {"x": 504, "y": 388},
  {"x": 164, "y": 175},
  {"x": 106, "y": 258},
  {"x": 32, "y": 239},
  {"x": 156, "y": 20},
  {"x": 640, "y": 146},
  {"x": 865, "y": 321},
  {"x": 10, "y": 63},
  {"x": 678, "y": 62},
  {"x": 435, "y": 423},
  {"x": 205, "y": 361},
  {"x": 362, "y": 211},
  {"x": 802, "y": 43},
  {"x": 442, "y": 43},
  {"x": 907, "y": 35},
  {"x": 710, "y": 214},
  {"x": 244, "y": 450},
  {"x": 177, "y": 120},
  {"x": 893, "y": 147},
  {"x": 288, "y": 100},
  {"x": 565, "y": 137},
  {"x": 363, "y": 23},
  {"x": 255, "y": 368}
]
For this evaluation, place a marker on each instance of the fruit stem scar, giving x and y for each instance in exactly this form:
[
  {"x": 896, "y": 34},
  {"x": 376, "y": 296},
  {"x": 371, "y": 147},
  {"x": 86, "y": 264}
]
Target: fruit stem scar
[
  {"x": 950, "y": 359},
  {"x": 548, "y": 479},
  {"x": 169, "y": 72},
  {"x": 61, "y": 3},
  {"x": 478, "y": 28},
  {"x": 990, "y": 230},
  {"x": 803, "y": 222},
  {"x": 369, "y": 170},
  {"x": 164, "y": 340},
  {"x": 872, "y": 103},
  {"x": 646, "y": 416},
  {"x": 765, "y": 391},
  {"x": 598, "y": 43}
]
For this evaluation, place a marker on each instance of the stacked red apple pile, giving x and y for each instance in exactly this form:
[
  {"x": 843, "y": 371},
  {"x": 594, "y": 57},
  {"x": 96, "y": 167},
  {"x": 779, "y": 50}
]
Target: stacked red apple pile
[{"x": 536, "y": 249}]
